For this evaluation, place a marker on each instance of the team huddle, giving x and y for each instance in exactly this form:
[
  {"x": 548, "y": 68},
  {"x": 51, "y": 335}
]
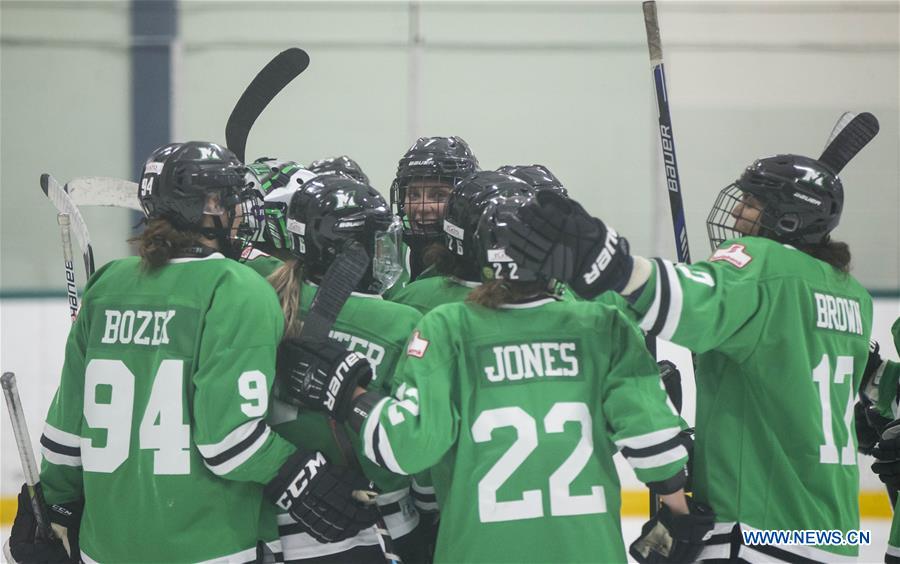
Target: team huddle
[{"x": 476, "y": 384}]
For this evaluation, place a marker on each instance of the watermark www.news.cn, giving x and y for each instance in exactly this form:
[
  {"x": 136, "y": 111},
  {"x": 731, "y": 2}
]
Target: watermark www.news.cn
[{"x": 811, "y": 537}]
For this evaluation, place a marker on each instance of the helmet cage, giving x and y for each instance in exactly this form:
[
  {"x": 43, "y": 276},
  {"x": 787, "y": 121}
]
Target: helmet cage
[
  {"x": 798, "y": 200},
  {"x": 430, "y": 161},
  {"x": 277, "y": 182},
  {"x": 421, "y": 207}
]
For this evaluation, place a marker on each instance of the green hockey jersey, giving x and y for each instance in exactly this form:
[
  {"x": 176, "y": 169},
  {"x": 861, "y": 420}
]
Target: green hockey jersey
[
  {"x": 378, "y": 330},
  {"x": 159, "y": 419},
  {"x": 888, "y": 378},
  {"x": 518, "y": 412},
  {"x": 781, "y": 341},
  {"x": 425, "y": 294},
  {"x": 263, "y": 263}
]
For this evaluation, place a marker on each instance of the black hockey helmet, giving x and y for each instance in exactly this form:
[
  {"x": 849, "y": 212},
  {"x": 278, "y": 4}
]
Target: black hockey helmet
[
  {"x": 463, "y": 210},
  {"x": 328, "y": 211},
  {"x": 789, "y": 198},
  {"x": 339, "y": 165},
  {"x": 538, "y": 176},
  {"x": 183, "y": 182},
  {"x": 492, "y": 237},
  {"x": 276, "y": 181},
  {"x": 431, "y": 162}
]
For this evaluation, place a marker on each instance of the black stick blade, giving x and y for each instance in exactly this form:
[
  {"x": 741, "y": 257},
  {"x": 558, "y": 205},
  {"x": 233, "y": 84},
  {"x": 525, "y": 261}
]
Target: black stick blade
[
  {"x": 341, "y": 278},
  {"x": 850, "y": 140},
  {"x": 277, "y": 74}
]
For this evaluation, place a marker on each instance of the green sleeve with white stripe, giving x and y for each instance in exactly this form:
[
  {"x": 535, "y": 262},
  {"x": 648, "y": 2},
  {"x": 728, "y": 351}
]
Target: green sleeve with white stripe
[
  {"x": 720, "y": 299},
  {"x": 411, "y": 431},
  {"x": 642, "y": 424},
  {"x": 235, "y": 371}
]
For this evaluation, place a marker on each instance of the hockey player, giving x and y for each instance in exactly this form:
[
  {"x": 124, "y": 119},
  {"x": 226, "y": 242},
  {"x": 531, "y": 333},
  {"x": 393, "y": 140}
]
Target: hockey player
[
  {"x": 323, "y": 215},
  {"x": 781, "y": 334},
  {"x": 339, "y": 165},
  {"x": 158, "y": 425},
  {"x": 878, "y": 432},
  {"x": 518, "y": 401},
  {"x": 456, "y": 261},
  {"x": 425, "y": 176}
]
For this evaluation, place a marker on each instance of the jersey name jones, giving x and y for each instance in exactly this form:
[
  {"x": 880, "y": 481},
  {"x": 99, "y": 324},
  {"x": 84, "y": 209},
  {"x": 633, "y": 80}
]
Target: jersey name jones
[
  {"x": 525, "y": 361},
  {"x": 840, "y": 314},
  {"x": 138, "y": 327}
]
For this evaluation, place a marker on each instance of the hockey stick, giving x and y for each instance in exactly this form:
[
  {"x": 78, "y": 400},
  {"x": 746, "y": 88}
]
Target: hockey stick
[
  {"x": 671, "y": 378},
  {"x": 339, "y": 281},
  {"x": 64, "y": 204},
  {"x": 69, "y": 219},
  {"x": 280, "y": 71},
  {"x": 851, "y": 133},
  {"x": 26, "y": 456},
  {"x": 103, "y": 191},
  {"x": 666, "y": 138}
]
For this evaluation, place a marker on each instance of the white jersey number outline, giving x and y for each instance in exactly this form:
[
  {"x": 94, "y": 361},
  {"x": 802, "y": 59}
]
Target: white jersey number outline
[
  {"x": 530, "y": 505},
  {"x": 828, "y": 453}
]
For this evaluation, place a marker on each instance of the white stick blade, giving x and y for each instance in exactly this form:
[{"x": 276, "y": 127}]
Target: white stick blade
[{"x": 103, "y": 191}]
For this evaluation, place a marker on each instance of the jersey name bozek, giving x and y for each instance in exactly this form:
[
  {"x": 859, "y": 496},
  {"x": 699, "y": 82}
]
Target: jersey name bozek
[
  {"x": 527, "y": 360},
  {"x": 839, "y": 314},
  {"x": 138, "y": 327}
]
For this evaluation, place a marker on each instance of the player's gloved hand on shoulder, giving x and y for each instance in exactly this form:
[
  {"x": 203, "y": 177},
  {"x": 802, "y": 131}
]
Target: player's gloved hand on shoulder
[
  {"x": 327, "y": 500},
  {"x": 869, "y": 421},
  {"x": 26, "y": 544},
  {"x": 557, "y": 237},
  {"x": 887, "y": 454},
  {"x": 673, "y": 538},
  {"x": 868, "y": 385},
  {"x": 320, "y": 375}
]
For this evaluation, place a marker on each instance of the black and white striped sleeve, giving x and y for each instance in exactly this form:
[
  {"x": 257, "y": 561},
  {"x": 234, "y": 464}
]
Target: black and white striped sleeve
[
  {"x": 60, "y": 448},
  {"x": 654, "y": 455},
  {"x": 662, "y": 319},
  {"x": 236, "y": 448}
]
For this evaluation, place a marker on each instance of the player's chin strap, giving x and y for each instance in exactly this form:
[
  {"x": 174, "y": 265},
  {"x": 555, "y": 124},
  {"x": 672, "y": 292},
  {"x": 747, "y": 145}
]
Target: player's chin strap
[{"x": 228, "y": 246}]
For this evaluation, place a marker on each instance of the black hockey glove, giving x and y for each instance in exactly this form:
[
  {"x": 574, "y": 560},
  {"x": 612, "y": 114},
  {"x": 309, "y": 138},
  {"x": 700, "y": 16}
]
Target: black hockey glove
[
  {"x": 673, "y": 538},
  {"x": 320, "y": 375},
  {"x": 557, "y": 237},
  {"x": 326, "y": 500},
  {"x": 887, "y": 454},
  {"x": 24, "y": 543},
  {"x": 869, "y": 422},
  {"x": 866, "y": 433}
]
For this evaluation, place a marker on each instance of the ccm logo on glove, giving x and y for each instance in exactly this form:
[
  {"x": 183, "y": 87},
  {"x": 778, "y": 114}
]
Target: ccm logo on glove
[
  {"x": 301, "y": 481},
  {"x": 334, "y": 386},
  {"x": 604, "y": 258}
]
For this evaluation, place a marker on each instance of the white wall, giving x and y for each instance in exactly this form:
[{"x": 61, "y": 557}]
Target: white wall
[
  {"x": 34, "y": 334},
  {"x": 562, "y": 83}
]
